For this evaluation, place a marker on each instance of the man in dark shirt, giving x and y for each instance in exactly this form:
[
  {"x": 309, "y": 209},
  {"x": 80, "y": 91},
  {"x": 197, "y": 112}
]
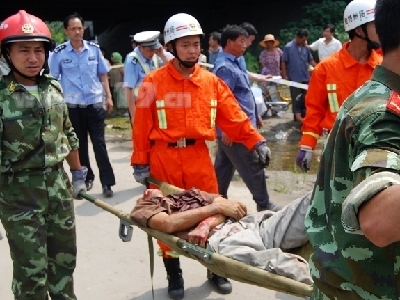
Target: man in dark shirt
[{"x": 234, "y": 156}]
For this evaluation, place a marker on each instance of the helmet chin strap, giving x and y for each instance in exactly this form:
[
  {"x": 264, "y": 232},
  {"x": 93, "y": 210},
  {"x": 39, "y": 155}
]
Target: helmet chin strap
[
  {"x": 33, "y": 78},
  {"x": 182, "y": 63},
  {"x": 371, "y": 45},
  {"x": 14, "y": 69}
]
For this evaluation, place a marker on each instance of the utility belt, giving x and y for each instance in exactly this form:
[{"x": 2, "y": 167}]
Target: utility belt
[
  {"x": 181, "y": 143},
  {"x": 34, "y": 171}
]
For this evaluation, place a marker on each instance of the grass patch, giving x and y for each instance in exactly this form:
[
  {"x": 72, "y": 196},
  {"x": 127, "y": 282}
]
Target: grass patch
[
  {"x": 279, "y": 186},
  {"x": 117, "y": 125}
]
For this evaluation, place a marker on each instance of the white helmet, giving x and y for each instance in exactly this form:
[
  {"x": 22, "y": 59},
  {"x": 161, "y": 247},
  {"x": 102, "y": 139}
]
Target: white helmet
[
  {"x": 181, "y": 25},
  {"x": 357, "y": 13}
]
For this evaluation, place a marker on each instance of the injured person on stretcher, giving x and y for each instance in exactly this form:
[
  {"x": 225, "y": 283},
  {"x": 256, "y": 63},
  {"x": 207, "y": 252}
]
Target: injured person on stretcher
[{"x": 223, "y": 226}]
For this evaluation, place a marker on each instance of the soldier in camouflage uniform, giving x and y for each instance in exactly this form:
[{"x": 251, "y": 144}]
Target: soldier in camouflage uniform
[
  {"x": 353, "y": 222},
  {"x": 36, "y": 196}
]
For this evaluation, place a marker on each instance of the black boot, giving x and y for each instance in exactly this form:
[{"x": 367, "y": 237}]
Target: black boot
[
  {"x": 175, "y": 280},
  {"x": 222, "y": 284}
]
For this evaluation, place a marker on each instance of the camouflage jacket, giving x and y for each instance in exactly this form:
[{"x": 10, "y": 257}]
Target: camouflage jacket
[
  {"x": 364, "y": 139},
  {"x": 34, "y": 133}
]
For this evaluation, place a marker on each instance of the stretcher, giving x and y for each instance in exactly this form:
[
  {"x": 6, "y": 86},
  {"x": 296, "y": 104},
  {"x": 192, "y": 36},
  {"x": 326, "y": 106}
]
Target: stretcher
[{"x": 216, "y": 263}]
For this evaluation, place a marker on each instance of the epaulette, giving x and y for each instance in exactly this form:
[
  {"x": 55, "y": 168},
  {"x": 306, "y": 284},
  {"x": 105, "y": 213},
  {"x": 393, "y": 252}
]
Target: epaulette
[
  {"x": 59, "y": 48},
  {"x": 54, "y": 82},
  {"x": 94, "y": 44}
]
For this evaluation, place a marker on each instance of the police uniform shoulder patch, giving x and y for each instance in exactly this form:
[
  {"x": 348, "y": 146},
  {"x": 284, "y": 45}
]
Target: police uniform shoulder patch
[
  {"x": 393, "y": 103},
  {"x": 59, "y": 48},
  {"x": 134, "y": 60},
  {"x": 94, "y": 44}
]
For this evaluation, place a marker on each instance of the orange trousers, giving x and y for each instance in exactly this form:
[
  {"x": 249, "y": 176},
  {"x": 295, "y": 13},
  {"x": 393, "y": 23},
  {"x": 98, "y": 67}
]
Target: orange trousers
[{"x": 186, "y": 168}]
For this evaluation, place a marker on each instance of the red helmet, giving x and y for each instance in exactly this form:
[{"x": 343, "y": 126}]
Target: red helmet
[{"x": 23, "y": 27}]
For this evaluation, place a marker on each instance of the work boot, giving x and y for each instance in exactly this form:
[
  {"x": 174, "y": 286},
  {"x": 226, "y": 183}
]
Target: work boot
[
  {"x": 222, "y": 284},
  {"x": 174, "y": 276},
  {"x": 270, "y": 206},
  {"x": 107, "y": 191}
]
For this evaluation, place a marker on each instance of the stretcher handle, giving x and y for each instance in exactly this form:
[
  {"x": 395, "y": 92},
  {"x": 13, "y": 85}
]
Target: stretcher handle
[{"x": 153, "y": 181}]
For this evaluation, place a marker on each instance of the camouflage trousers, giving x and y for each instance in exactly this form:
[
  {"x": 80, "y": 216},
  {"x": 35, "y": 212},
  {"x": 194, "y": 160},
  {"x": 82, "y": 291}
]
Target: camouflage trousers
[
  {"x": 37, "y": 212},
  {"x": 318, "y": 295}
]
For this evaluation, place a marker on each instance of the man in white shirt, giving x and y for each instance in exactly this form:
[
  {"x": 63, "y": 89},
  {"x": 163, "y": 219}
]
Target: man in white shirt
[
  {"x": 167, "y": 54},
  {"x": 328, "y": 44}
]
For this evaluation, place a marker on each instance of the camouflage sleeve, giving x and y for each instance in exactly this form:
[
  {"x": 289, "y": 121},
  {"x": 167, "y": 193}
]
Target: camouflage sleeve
[
  {"x": 67, "y": 125},
  {"x": 376, "y": 146},
  {"x": 69, "y": 131}
]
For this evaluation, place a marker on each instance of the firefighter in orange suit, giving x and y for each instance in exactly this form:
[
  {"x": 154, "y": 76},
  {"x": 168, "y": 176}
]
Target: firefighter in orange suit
[
  {"x": 338, "y": 76},
  {"x": 177, "y": 110}
]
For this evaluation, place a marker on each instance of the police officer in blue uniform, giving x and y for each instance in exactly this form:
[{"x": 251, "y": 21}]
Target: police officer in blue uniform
[
  {"x": 146, "y": 57},
  {"x": 83, "y": 73}
]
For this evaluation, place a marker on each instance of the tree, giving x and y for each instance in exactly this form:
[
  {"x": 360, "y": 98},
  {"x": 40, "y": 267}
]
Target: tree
[
  {"x": 316, "y": 16},
  {"x": 252, "y": 63},
  {"x": 57, "y": 31}
]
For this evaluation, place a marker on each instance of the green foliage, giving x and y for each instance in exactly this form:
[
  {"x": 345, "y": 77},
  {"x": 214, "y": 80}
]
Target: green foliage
[
  {"x": 252, "y": 63},
  {"x": 57, "y": 31},
  {"x": 316, "y": 16}
]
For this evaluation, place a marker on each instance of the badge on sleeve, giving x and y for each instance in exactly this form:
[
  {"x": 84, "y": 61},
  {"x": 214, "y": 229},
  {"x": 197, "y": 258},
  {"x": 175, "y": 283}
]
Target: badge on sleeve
[
  {"x": 393, "y": 103},
  {"x": 134, "y": 60},
  {"x": 11, "y": 87}
]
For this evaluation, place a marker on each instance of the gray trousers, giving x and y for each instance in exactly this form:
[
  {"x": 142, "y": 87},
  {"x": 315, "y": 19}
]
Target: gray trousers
[{"x": 238, "y": 157}]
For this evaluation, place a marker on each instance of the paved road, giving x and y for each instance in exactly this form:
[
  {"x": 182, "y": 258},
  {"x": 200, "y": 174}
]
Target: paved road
[{"x": 109, "y": 269}]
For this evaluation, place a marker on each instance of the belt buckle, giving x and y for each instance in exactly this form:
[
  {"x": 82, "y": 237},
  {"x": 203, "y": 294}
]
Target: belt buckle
[{"x": 181, "y": 143}]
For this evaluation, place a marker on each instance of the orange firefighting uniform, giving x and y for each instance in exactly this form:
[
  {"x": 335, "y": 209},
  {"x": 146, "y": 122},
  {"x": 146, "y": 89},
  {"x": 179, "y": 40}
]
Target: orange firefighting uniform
[
  {"x": 332, "y": 81},
  {"x": 170, "y": 107}
]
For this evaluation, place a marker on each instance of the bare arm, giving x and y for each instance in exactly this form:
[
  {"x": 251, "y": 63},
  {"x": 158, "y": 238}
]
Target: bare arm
[
  {"x": 298, "y": 117},
  {"x": 257, "y": 78},
  {"x": 199, "y": 235},
  {"x": 161, "y": 54},
  {"x": 73, "y": 160},
  {"x": 253, "y": 76},
  {"x": 284, "y": 71},
  {"x": 106, "y": 86},
  {"x": 190, "y": 218},
  {"x": 379, "y": 217}
]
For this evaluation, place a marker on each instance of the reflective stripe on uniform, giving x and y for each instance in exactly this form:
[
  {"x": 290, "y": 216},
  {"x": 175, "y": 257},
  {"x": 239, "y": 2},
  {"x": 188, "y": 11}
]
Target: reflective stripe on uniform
[
  {"x": 171, "y": 254},
  {"x": 213, "y": 112},
  {"x": 332, "y": 97},
  {"x": 162, "y": 116},
  {"x": 312, "y": 134},
  {"x": 331, "y": 86}
]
